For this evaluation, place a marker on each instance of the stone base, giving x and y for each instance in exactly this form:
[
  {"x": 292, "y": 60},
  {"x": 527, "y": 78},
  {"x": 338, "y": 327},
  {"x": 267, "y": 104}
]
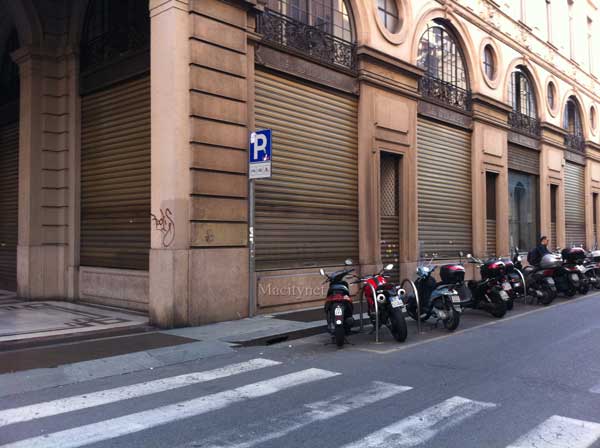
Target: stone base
[
  {"x": 40, "y": 272},
  {"x": 114, "y": 287}
]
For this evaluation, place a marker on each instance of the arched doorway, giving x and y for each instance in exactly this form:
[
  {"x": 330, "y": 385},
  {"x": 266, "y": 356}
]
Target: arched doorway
[
  {"x": 115, "y": 143},
  {"x": 9, "y": 162}
]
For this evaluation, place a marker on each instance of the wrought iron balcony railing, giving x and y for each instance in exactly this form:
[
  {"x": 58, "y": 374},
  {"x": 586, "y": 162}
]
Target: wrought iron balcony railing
[
  {"x": 524, "y": 123},
  {"x": 575, "y": 142},
  {"x": 306, "y": 39},
  {"x": 444, "y": 92}
]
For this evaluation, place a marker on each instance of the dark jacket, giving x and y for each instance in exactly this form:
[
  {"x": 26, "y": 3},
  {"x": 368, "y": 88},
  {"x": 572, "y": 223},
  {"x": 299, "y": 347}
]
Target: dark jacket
[{"x": 535, "y": 255}]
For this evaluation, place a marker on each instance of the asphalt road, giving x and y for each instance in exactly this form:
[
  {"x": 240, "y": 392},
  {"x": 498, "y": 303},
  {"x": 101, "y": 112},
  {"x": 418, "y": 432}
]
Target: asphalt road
[{"x": 528, "y": 381}]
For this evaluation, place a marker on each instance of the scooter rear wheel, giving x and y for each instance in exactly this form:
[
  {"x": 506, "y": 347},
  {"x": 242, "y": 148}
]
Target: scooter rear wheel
[
  {"x": 398, "y": 325},
  {"x": 453, "y": 320},
  {"x": 339, "y": 335}
]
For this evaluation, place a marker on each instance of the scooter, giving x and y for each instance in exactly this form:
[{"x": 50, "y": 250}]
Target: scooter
[
  {"x": 592, "y": 268},
  {"x": 494, "y": 286},
  {"x": 385, "y": 303},
  {"x": 539, "y": 279},
  {"x": 486, "y": 294},
  {"x": 339, "y": 310},
  {"x": 440, "y": 301},
  {"x": 570, "y": 277}
]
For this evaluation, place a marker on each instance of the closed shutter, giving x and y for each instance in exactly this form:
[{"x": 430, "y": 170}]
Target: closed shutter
[
  {"x": 307, "y": 214},
  {"x": 523, "y": 159},
  {"x": 9, "y": 204},
  {"x": 575, "y": 204},
  {"x": 115, "y": 176},
  {"x": 491, "y": 237},
  {"x": 389, "y": 208},
  {"x": 444, "y": 180}
]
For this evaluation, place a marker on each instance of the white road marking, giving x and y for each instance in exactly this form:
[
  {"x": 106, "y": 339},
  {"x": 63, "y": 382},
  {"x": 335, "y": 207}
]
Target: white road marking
[
  {"x": 560, "y": 432},
  {"x": 140, "y": 421},
  {"x": 423, "y": 426},
  {"x": 317, "y": 411},
  {"x": 85, "y": 401}
]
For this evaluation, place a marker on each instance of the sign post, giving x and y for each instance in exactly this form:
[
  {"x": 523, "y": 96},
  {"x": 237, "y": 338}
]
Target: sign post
[{"x": 259, "y": 167}]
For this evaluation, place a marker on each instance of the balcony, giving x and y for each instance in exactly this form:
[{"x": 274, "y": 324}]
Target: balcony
[
  {"x": 524, "y": 123},
  {"x": 576, "y": 142},
  {"x": 445, "y": 93},
  {"x": 306, "y": 39}
]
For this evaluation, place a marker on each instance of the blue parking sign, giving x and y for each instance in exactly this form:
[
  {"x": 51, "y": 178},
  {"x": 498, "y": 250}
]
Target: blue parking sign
[{"x": 260, "y": 154}]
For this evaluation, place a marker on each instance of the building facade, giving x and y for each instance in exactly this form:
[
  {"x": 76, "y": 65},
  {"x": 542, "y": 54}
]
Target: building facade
[{"x": 400, "y": 129}]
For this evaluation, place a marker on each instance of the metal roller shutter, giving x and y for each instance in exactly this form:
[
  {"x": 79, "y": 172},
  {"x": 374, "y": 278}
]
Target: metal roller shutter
[
  {"x": 115, "y": 176},
  {"x": 390, "y": 220},
  {"x": 444, "y": 180},
  {"x": 9, "y": 203},
  {"x": 575, "y": 204},
  {"x": 523, "y": 159},
  {"x": 307, "y": 214},
  {"x": 490, "y": 237}
]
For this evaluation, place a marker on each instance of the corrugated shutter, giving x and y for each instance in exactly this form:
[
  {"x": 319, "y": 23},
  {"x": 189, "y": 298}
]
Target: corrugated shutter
[
  {"x": 307, "y": 214},
  {"x": 491, "y": 237},
  {"x": 115, "y": 176},
  {"x": 444, "y": 180},
  {"x": 390, "y": 220},
  {"x": 523, "y": 159},
  {"x": 575, "y": 204},
  {"x": 9, "y": 204}
]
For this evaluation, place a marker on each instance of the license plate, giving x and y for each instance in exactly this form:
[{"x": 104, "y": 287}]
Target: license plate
[
  {"x": 338, "y": 311},
  {"x": 396, "y": 302},
  {"x": 506, "y": 286},
  {"x": 504, "y": 295},
  {"x": 575, "y": 277},
  {"x": 550, "y": 280},
  {"x": 455, "y": 299}
]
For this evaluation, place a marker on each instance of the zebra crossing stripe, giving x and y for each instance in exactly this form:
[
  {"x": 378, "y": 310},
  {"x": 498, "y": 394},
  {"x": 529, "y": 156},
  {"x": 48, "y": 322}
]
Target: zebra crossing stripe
[
  {"x": 315, "y": 412},
  {"x": 85, "y": 401},
  {"x": 419, "y": 428},
  {"x": 140, "y": 421},
  {"x": 560, "y": 432}
]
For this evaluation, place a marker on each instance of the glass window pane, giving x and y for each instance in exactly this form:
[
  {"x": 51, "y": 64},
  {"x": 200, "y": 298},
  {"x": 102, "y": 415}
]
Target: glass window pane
[{"x": 523, "y": 212}]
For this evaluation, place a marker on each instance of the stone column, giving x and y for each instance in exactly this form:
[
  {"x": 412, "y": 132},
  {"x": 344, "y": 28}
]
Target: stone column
[
  {"x": 43, "y": 183},
  {"x": 170, "y": 79}
]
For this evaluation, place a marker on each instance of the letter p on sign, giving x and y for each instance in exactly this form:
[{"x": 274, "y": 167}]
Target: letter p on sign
[{"x": 260, "y": 154}]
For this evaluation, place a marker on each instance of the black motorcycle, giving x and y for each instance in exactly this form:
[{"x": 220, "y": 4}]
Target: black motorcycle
[
  {"x": 539, "y": 279},
  {"x": 438, "y": 300},
  {"x": 592, "y": 268},
  {"x": 486, "y": 294},
  {"x": 570, "y": 276}
]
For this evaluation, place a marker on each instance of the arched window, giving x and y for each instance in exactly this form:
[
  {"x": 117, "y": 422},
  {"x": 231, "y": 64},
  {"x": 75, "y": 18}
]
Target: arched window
[
  {"x": 114, "y": 30},
  {"x": 442, "y": 59},
  {"x": 573, "y": 124},
  {"x": 9, "y": 71},
  {"x": 523, "y": 102},
  {"x": 320, "y": 29}
]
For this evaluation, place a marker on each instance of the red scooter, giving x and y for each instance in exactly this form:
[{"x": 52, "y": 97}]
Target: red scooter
[
  {"x": 339, "y": 310},
  {"x": 385, "y": 303}
]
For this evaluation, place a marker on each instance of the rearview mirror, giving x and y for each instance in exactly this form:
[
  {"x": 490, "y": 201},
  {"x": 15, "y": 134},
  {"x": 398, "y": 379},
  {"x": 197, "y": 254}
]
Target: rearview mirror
[
  {"x": 322, "y": 272},
  {"x": 389, "y": 267},
  {"x": 348, "y": 262}
]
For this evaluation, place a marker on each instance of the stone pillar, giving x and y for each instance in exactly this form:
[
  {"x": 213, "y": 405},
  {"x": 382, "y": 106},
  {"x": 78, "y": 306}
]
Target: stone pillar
[
  {"x": 489, "y": 153},
  {"x": 43, "y": 169},
  {"x": 170, "y": 161},
  {"x": 387, "y": 117}
]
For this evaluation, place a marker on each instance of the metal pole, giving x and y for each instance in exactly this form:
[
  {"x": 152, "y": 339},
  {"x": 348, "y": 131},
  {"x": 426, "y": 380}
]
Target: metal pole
[
  {"x": 376, "y": 315},
  {"x": 414, "y": 288},
  {"x": 252, "y": 279}
]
